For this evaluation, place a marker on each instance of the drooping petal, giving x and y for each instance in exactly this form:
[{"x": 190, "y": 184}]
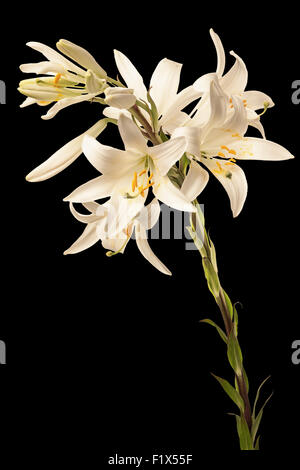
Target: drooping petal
[
  {"x": 258, "y": 125},
  {"x": 64, "y": 156},
  {"x": 164, "y": 84},
  {"x": 234, "y": 82},
  {"x": 257, "y": 99},
  {"x": 81, "y": 56},
  {"x": 120, "y": 100},
  {"x": 28, "y": 102},
  {"x": 84, "y": 218},
  {"x": 252, "y": 148},
  {"x": 166, "y": 154},
  {"x": 218, "y": 107},
  {"x": 87, "y": 239},
  {"x": 64, "y": 103},
  {"x": 97, "y": 188},
  {"x": 131, "y": 135},
  {"x": 167, "y": 193},
  {"x": 130, "y": 75},
  {"x": 195, "y": 181},
  {"x": 143, "y": 246},
  {"x": 220, "y": 53},
  {"x": 233, "y": 180},
  {"x": 107, "y": 160}
]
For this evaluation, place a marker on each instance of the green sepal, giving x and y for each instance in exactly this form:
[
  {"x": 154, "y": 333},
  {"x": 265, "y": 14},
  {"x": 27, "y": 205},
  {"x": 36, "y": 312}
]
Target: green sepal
[
  {"x": 234, "y": 353},
  {"x": 219, "y": 330},
  {"x": 231, "y": 392}
]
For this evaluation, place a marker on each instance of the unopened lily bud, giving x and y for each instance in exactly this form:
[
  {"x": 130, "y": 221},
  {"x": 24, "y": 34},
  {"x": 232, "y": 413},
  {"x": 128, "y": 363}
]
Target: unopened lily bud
[
  {"x": 81, "y": 56},
  {"x": 93, "y": 83},
  {"x": 121, "y": 98}
]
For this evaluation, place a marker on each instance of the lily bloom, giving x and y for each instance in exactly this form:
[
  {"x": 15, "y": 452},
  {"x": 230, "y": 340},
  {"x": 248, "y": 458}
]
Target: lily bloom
[
  {"x": 64, "y": 83},
  {"x": 221, "y": 142},
  {"x": 164, "y": 85},
  {"x": 127, "y": 175},
  {"x": 99, "y": 222},
  {"x": 233, "y": 83}
]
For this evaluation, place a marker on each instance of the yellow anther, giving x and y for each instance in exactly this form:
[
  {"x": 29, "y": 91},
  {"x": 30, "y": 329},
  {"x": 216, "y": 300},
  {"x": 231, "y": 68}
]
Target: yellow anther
[
  {"x": 150, "y": 177},
  {"x": 134, "y": 182},
  {"x": 219, "y": 166},
  {"x": 141, "y": 191},
  {"x": 231, "y": 106},
  {"x": 220, "y": 154},
  {"x": 142, "y": 172},
  {"x": 233, "y": 152},
  {"x": 236, "y": 135},
  {"x": 224, "y": 147},
  {"x": 57, "y": 78},
  {"x": 44, "y": 102}
]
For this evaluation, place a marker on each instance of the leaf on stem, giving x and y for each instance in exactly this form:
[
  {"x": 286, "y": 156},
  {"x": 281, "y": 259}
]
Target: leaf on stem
[
  {"x": 231, "y": 392},
  {"x": 219, "y": 330},
  {"x": 234, "y": 353}
]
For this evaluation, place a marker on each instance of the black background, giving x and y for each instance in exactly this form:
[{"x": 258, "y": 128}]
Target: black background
[{"x": 107, "y": 355}]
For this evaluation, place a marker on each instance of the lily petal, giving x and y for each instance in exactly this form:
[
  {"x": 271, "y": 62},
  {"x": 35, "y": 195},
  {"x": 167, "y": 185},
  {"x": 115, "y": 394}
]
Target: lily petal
[
  {"x": 167, "y": 193},
  {"x": 107, "y": 160},
  {"x": 220, "y": 53},
  {"x": 131, "y": 135},
  {"x": 87, "y": 239},
  {"x": 257, "y": 99},
  {"x": 193, "y": 136},
  {"x": 64, "y": 103},
  {"x": 80, "y": 55},
  {"x": 143, "y": 246},
  {"x": 97, "y": 188},
  {"x": 64, "y": 156},
  {"x": 233, "y": 180},
  {"x": 164, "y": 84},
  {"x": 195, "y": 181},
  {"x": 130, "y": 75},
  {"x": 166, "y": 154},
  {"x": 149, "y": 214},
  {"x": 54, "y": 56},
  {"x": 252, "y": 148},
  {"x": 84, "y": 218},
  {"x": 234, "y": 82}
]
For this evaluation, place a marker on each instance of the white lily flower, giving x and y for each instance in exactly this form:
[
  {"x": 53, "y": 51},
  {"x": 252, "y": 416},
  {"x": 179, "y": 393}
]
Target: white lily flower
[
  {"x": 98, "y": 228},
  {"x": 163, "y": 89},
  {"x": 120, "y": 98},
  {"x": 131, "y": 172},
  {"x": 233, "y": 83},
  {"x": 68, "y": 83},
  {"x": 64, "y": 156},
  {"x": 219, "y": 145}
]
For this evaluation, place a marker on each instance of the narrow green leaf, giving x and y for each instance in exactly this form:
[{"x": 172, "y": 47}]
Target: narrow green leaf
[
  {"x": 246, "y": 442},
  {"x": 257, "y": 396},
  {"x": 154, "y": 112},
  {"x": 234, "y": 353},
  {"x": 219, "y": 330},
  {"x": 257, "y": 443},
  {"x": 231, "y": 392},
  {"x": 235, "y": 320},
  {"x": 163, "y": 136},
  {"x": 257, "y": 420},
  {"x": 229, "y": 304},
  {"x": 211, "y": 277}
]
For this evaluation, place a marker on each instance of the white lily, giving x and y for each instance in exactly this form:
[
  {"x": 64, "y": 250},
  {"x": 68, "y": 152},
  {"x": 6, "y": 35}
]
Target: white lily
[
  {"x": 131, "y": 172},
  {"x": 98, "y": 228},
  {"x": 65, "y": 155},
  {"x": 163, "y": 89},
  {"x": 221, "y": 142},
  {"x": 68, "y": 83},
  {"x": 233, "y": 83}
]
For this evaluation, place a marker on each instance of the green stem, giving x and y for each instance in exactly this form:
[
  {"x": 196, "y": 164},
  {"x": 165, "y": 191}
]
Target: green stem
[{"x": 207, "y": 251}]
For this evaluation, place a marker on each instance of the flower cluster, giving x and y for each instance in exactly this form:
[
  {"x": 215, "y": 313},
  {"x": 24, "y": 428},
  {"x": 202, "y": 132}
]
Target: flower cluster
[{"x": 167, "y": 151}]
